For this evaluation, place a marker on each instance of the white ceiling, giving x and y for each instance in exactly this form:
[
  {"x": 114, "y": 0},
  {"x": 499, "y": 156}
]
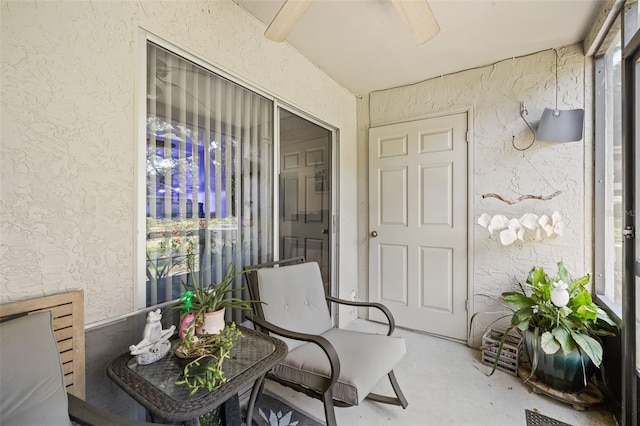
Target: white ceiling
[{"x": 364, "y": 45}]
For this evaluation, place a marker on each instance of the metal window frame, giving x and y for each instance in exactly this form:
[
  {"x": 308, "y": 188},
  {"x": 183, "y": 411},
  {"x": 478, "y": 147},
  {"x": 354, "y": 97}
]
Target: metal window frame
[
  {"x": 600, "y": 177},
  {"x": 631, "y": 268},
  {"x": 145, "y": 36}
]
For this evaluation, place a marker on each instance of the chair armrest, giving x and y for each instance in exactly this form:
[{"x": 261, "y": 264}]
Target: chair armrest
[
  {"x": 384, "y": 309},
  {"x": 324, "y": 344},
  {"x": 85, "y": 414}
]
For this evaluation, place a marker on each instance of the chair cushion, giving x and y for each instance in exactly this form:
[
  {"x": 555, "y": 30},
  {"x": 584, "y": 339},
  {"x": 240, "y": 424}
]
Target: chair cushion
[
  {"x": 294, "y": 299},
  {"x": 365, "y": 359},
  {"x": 31, "y": 377}
]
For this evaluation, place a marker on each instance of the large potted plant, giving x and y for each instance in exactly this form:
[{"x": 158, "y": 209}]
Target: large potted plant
[{"x": 561, "y": 327}]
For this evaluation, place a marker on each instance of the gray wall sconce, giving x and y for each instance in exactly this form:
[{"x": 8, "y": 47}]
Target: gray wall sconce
[
  {"x": 555, "y": 125},
  {"x": 561, "y": 126}
]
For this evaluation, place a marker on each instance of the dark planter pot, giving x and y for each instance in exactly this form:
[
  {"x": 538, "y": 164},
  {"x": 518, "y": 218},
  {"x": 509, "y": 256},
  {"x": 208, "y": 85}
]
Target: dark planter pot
[{"x": 560, "y": 371}]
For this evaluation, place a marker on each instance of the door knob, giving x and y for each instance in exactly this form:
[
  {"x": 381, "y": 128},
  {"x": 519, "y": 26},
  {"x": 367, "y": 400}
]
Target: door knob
[
  {"x": 374, "y": 234},
  {"x": 325, "y": 231}
]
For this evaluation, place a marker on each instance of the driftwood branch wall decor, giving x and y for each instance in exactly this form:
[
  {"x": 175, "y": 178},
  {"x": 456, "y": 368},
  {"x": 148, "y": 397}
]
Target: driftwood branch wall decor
[{"x": 522, "y": 198}]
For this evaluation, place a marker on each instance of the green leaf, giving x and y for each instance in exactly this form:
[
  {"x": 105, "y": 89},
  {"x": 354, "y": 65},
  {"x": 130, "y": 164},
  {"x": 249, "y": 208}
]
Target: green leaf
[
  {"x": 590, "y": 346},
  {"x": 581, "y": 298},
  {"x": 579, "y": 284},
  {"x": 539, "y": 278},
  {"x": 603, "y": 316},
  {"x": 562, "y": 272},
  {"x": 518, "y": 299},
  {"x": 549, "y": 343},
  {"x": 524, "y": 325},
  {"x": 588, "y": 312},
  {"x": 601, "y": 332},
  {"x": 546, "y": 316},
  {"x": 521, "y": 315},
  {"x": 541, "y": 284},
  {"x": 564, "y": 338}
]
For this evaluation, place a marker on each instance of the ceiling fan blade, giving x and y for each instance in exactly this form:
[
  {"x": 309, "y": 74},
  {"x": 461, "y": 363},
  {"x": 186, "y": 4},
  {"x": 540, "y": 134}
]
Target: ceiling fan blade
[
  {"x": 285, "y": 19},
  {"x": 418, "y": 18}
]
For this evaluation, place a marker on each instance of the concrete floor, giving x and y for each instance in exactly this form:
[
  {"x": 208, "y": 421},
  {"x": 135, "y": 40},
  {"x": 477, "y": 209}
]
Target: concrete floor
[{"x": 445, "y": 384}]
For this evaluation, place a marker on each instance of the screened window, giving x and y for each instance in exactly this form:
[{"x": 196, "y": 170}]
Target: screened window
[
  {"x": 609, "y": 214},
  {"x": 209, "y": 175}
]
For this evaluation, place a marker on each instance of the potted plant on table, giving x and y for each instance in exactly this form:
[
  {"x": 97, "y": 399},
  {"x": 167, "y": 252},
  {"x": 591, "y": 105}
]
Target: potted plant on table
[
  {"x": 201, "y": 357},
  {"x": 206, "y": 303},
  {"x": 206, "y": 338},
  {"x": 561, "y": 327}
]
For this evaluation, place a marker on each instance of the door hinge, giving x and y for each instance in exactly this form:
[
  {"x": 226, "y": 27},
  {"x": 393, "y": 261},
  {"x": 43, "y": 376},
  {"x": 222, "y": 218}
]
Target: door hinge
[
  {"x": 629, "y": 232},
  {"x": 466, "y": 304},
  {"x": 468, "y": 136}
]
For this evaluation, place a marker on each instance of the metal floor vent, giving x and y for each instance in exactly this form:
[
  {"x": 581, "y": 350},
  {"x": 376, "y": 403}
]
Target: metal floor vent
[{"x": 537, "y": 419}]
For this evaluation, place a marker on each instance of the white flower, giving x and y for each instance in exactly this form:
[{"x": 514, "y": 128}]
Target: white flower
[
  {"x": 510, "y": 230},
  {"x": 558, "y": 225},
  {"x": 508, "y": 236},
  {"x": 529, "y": 221},
  {"x": 499, "y": 222},
  {"x": 546, "y": 224},
  {"x": 560, "y": 294},
  {"x": 484, "y": 220},
  {"x": 514, "y": 225},
  {"x": 513, "y": 232}
]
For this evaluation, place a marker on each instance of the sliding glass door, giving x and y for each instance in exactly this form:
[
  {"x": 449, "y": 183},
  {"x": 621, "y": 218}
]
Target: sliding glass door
[
  {"x": 209, "y": 153},
  {"x": 305, "y": 191}
]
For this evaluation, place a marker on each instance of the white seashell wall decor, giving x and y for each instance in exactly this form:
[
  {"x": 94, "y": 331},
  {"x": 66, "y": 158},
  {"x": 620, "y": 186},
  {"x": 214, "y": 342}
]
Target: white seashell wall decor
[{"x": 512, "y": 230}]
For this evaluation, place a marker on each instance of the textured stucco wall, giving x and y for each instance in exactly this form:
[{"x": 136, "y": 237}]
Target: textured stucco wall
[
  {"x": 494, "y": 93},
  {"x": 69, "y": 127}
]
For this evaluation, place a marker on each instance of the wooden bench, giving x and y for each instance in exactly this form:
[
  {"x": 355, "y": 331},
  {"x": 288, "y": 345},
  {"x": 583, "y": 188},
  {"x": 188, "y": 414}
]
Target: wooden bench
[{"x": 68, "y": 326}]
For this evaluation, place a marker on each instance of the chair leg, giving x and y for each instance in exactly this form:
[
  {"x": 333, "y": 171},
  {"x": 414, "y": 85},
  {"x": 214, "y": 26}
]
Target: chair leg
[
  {"x": 255, "y": 394},
  {"x": 329, "y": 411},
  {"x": 397, "y": 390},
  {"x": 399, "y": 399}
]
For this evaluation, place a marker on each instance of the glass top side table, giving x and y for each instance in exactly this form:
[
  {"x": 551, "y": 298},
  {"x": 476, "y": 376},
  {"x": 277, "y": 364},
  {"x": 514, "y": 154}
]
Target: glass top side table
[{"x": 153, "y": 385}]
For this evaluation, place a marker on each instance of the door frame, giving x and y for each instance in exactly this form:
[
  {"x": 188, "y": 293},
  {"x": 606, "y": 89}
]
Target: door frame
[
  {"x": 631, "y": 170},
  {"x": 469, "y": 110},
  {"x": 334, "y": 233}
]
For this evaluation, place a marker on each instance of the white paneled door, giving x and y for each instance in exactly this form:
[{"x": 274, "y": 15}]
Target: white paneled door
[{"x": 418, "y": 223}]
